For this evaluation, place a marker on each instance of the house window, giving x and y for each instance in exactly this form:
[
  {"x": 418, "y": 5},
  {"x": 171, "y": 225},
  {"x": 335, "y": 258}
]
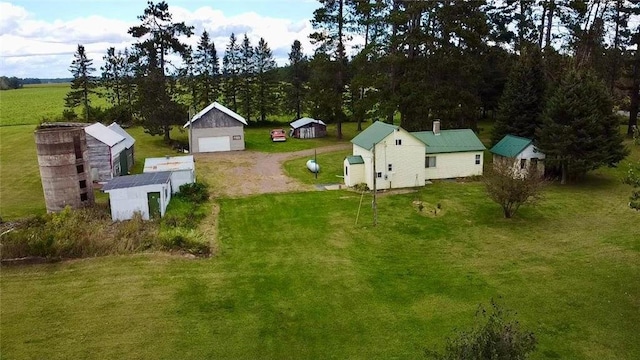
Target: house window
[
  {"x": 430, "y": 162},
  {"x": 83, "y": 184},
  {"x": 390, "y": 167},
  {"x": 84, "y": 197},
  {"x": 237, "y": 137},
  {"x": 523, "y": 163},
  {"x": 346, "y": 170},
  {"x": 478, "y": 159},
  {"x": 79, "y": 169},
  {"x": 398, "y": 141},
  {"x": 379, "y": 174},
  {"x": 77, "y": 148}
]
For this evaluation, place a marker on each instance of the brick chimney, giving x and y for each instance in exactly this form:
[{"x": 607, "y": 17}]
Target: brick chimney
[{"x": 436, "y": 127}]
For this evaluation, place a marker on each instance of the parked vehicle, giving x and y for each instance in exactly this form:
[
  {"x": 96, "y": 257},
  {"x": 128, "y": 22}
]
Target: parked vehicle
[{"x": 278, "y": 135}]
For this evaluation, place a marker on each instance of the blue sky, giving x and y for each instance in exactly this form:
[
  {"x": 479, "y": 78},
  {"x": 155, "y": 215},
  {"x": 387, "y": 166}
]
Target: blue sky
[{"x": 38, "y": 37}]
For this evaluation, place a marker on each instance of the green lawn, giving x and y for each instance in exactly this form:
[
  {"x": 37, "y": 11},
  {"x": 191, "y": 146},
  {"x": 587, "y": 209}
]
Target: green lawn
[
  {"x": 331, "y": 168},
  {"x": 294, "y": 276}
]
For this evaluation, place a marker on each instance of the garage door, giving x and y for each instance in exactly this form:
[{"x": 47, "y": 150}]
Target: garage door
[{"x": 216, "y": 143}]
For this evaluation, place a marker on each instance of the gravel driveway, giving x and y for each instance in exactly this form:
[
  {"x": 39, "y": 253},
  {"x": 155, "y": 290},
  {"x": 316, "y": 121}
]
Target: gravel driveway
[{"x": 242, "y": 173}]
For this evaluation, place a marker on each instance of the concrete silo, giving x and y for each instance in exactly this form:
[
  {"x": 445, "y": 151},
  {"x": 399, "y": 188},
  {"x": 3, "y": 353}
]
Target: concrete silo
[{"x": 64, "y": 166}]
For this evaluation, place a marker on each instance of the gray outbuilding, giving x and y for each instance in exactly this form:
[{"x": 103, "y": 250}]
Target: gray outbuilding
[
  {"x": 106, "y": 152},
  {"x": 308, "y": 128},
  {"x": 149, "y": 194},
  {"x": 216, "y": 128}
]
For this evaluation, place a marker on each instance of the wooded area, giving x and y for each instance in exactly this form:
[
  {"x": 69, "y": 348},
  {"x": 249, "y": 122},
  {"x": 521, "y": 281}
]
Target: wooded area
[{"x": 416, "y": 61}]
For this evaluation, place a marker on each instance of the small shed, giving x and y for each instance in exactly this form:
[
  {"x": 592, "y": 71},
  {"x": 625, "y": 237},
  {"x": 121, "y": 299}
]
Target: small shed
[
  {"x": 182, "y": 169},
  {"x": 105, "y": 147},
  {"x": 308, "y": 128},
  {"x": 149, "y": 194},
  {"x": 519, "y": 151},
  {"x": 129, "y": 144},
  {"x": 216, "y": 128}
]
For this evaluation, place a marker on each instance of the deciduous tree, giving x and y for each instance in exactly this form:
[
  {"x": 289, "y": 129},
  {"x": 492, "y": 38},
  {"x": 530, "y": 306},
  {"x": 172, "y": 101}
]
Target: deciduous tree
[{"x": 511, "y": 188}]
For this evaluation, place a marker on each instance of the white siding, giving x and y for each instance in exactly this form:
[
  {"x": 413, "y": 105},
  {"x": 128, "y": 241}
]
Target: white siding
[
  {"x": 126, "y": 201},
  {"x": 454, "y": 165},
  {"x": 406, "y": 159},
  {"x": 181, "y": 177},
  {"x": 354, "y": 175}
]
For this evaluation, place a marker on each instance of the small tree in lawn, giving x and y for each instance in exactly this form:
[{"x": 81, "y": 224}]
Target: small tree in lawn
[
  {"x": 497, "y": 338},
  {"x": 82, "y": 84},
  {"x": 633, "y": 179},
  {"x": 511, "y": 189}
]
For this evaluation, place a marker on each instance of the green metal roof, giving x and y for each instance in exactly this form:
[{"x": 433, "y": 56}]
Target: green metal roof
[
  {"x": 353, "y": 160},
  {"x": 510, "y": 146},
  {"x": 448, "y": 141},
  {"x": 373, "y": 134}
]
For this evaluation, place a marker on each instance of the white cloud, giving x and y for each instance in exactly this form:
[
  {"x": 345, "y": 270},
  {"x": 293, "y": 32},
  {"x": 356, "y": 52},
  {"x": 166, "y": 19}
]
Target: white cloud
[{"x": 35, "y": 48}]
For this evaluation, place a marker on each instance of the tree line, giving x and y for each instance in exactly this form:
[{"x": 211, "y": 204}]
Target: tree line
[{"x": 415, "y": 61}]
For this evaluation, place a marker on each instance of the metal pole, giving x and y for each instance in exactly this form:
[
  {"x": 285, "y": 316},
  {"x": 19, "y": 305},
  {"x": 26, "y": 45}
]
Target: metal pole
[
  {"x": 315, "y": 160},
  {"x": 375, "y": 202}
]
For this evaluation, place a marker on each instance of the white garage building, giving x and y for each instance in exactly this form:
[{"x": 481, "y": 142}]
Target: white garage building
[
  {"x": 148, "y": 194},
  {"x": 216, "y": 128}
]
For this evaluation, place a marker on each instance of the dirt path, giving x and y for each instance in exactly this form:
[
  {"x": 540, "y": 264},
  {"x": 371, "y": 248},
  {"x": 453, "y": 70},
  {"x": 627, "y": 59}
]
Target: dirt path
[{"x": 242, "y": 173}]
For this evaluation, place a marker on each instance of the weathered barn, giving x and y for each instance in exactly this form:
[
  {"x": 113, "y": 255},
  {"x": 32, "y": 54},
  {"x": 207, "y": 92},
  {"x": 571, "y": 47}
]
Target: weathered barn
[
  {"x": 397, "y": 158},
  {"x": 149, "y": 194},
  {"x": 129, "y": 146},
  {"x": 216, "y": 128},
  {"x": 105, "y": 150},
  {"x": 520, "y": 152},
  {"x": 64, "y": 166},
  {"x": 307, "y": 128},
  {"x": 182, "y": 169}
]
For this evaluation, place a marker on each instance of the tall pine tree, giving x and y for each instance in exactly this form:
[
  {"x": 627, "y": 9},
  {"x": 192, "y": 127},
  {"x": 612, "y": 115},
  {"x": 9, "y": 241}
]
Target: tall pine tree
[
  {"x": 579, "y": 132},
  {"x": 247, "y": 78},
  {"x": 298, "y": 76},
  {"x": 231, "y": 73},
  {"x": 82, "y": 84},
  {"x": 265, "y": 65},
  {"x": 207, "y": 70},
  {"x": 521, "y": 105}
]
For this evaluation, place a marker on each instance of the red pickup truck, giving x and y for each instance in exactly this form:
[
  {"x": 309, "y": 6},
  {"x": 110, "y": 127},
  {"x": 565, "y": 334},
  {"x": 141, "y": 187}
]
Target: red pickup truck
[{"x": 278, "y": 135}]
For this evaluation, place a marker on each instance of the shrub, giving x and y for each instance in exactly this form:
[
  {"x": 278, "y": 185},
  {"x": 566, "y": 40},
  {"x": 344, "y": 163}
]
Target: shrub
[
  {"x": 196, "y": 192},
  {"x": 184, "y": 240},
  {"x": 361, "y": 187},
  {"x": 497, "y": 338}
]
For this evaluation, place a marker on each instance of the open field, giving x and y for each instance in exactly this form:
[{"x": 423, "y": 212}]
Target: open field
[{"x": 294, "y": 275}]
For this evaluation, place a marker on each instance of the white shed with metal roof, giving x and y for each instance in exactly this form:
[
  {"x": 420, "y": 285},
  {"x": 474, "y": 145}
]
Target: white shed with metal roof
[
  {"x": 182, "y": 169},
  {"x": 149, "y": 194}
]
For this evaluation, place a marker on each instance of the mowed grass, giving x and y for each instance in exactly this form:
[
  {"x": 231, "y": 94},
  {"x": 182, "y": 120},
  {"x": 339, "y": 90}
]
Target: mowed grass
[
  {"x": 331, "y": 168},
  {"x": 295, "y": 276}
]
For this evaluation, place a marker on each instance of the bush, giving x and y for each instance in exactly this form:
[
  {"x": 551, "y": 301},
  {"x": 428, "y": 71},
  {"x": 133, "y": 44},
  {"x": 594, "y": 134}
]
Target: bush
[
  {"x": 196, "y": 192},
  {"x": 497, "y": 338},
  {"x": 361, "y": 187}
]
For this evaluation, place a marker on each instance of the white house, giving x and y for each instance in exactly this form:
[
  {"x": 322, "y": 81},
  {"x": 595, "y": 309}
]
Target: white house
[
  {"x": 129, "y": 145},
  {"x": 451, "y": 154},
  {"x": 404, "y": 159},
  {"x": 519, "y": 151},
  {"x": 182, "y": 169},
  {"x": 147, "y": 193},
  {"x": 216, "y": 128},
  {"x": 107, "y": 156}
]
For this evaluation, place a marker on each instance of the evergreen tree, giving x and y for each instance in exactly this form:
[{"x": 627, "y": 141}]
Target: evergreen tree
[
  {"x": 579, "y": 132},
  {"x": 82, "y": 84},
  {"x": 298, "y": 76},
  {"x": 265, "y": 65},
  {"x": 158, "y": 38},
  {"x": 521, "y": 105},
  {"x": 231, "y": 72},
  {"x": 247, "y": 77},
  {"x": 207, "y": 70}
]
